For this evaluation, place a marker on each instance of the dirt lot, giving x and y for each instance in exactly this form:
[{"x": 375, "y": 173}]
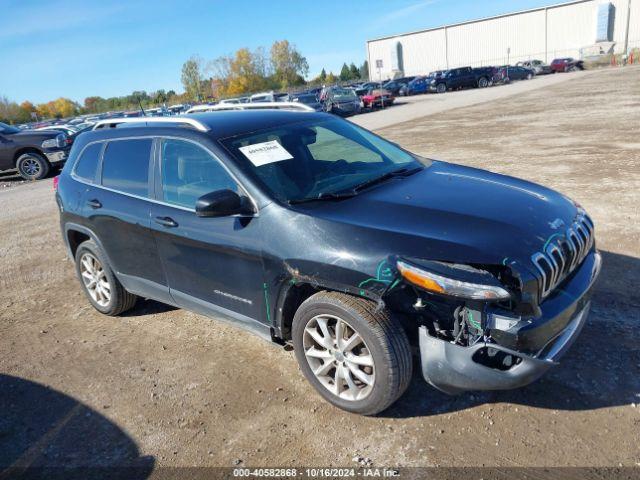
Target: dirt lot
[{"x": 166, "y": 387}]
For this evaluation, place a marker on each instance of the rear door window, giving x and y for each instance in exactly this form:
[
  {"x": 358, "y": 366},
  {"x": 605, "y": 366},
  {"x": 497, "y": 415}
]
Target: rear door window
[
  {"x": 125, "y": 166},
  {"x": 88, "y": 162}
]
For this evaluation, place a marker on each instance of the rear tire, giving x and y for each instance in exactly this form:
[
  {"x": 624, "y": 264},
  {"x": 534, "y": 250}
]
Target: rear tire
[
  {"x": 100, "y": 285},
  {"x": 483, "y": 82},
  {"x": 354, "y": 354},
  {"x": 32, "y": 166},
  {"x": 441, "y": 88}
]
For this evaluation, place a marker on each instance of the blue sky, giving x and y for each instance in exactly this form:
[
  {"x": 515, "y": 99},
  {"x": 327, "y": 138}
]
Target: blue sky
[{"x": 78, "y": 48}]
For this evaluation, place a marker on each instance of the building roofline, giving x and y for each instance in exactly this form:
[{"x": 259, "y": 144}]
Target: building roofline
[{"x": 483, "y": 19}]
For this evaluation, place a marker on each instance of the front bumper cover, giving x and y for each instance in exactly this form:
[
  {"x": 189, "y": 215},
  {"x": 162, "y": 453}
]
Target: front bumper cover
[
  {"x": 56, "y": 156},
  {"x": 452, "y": 368}
]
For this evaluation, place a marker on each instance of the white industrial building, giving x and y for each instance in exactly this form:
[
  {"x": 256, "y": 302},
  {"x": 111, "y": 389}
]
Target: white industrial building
[{"x": 576, "y": 29}]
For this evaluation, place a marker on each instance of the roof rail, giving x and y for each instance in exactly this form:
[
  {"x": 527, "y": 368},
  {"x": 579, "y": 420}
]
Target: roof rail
[
  {"x": 252, "y": 106},
  {"x": 113, "y": 122}
]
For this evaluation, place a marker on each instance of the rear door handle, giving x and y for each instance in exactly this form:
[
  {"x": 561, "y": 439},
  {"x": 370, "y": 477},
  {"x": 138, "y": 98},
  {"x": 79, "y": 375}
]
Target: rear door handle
[
  {"x": 166, "y": 222},
  {"x": 94, "y": 203}
]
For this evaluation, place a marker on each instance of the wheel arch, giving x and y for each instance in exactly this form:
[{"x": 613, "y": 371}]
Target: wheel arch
[
  {"x": 75, "y": 234},
  {"x": 294, "y": 293},
  {"x": 21, "y": 151}
]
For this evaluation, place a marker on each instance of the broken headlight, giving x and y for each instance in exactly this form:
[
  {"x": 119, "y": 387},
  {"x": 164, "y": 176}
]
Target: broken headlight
[{"x": 455, "y": 287}]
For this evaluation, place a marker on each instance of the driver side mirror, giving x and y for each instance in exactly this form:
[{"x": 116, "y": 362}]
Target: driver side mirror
[{"x": 223, "y": 203}]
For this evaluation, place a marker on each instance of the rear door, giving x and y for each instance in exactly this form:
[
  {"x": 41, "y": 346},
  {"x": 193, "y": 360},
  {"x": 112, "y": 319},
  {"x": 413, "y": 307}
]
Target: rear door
[
  {"x": 117, "y": 209},
  {"x": 454, "y": 78},
  {"x": 213, "y": 265},
  {"x": 469, "y": 77}
]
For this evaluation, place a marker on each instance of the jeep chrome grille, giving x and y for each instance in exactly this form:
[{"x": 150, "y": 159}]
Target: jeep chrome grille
[{"x": 562, "y": 254}]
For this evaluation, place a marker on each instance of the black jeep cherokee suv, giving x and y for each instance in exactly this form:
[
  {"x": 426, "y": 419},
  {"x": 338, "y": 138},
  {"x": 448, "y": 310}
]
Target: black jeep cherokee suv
[
  {"x": 312, "y": 231},
  {"x": 32, "y": 153}
]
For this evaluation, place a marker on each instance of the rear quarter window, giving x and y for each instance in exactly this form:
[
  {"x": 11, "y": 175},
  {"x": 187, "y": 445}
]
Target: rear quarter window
[
  {"x": 125, "y": 166},
  {"x": 87, "y": 164}
]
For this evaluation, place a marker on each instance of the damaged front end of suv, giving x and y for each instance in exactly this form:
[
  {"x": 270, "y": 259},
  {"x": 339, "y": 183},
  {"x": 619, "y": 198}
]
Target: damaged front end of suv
[{"x": 496, "y": 327}]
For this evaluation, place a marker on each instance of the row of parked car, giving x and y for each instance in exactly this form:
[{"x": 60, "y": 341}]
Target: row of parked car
[
  {"x": 356, "y": 97},
  {"x": 441, "y": 81}
]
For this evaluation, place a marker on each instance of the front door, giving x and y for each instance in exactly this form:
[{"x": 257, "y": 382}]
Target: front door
[{"x": 213, "y": 265}]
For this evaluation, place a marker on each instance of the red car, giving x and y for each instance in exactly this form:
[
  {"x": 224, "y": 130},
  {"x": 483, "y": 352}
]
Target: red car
[
  {"x": 567, "y": 64},
  {"x": 378, "y": 97}
]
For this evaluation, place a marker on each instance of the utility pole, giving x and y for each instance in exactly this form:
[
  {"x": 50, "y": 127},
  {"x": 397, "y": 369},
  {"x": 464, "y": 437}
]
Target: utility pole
[
  {"x": 626, "y": 32},
  {"x": 446, "y": 47},
  {"x": 546, "y": 36}
]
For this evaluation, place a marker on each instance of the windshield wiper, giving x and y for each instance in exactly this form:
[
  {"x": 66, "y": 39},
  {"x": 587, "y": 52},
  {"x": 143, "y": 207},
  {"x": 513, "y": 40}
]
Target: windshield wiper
[
  {"x": 402, "y": 172},
  {"x": 353, "y": 191},
  {"x": 322, "y": 196}
]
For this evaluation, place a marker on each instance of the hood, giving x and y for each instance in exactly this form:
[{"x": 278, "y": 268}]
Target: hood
[
  {"x": 34, "y": 135},
  {"x": 453, "y": 213}
]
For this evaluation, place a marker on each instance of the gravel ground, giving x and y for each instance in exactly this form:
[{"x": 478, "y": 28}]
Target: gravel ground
[{"x": 165, "y": 387}]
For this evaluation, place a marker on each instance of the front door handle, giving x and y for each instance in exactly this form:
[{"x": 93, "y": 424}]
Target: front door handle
[
  {"x": 166, "y": 222},
  {"x": 94, "y": 203}
]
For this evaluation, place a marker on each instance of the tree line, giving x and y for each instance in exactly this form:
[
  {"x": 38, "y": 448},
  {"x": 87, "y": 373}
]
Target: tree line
[
  {"x": 283, "y": 67},
  {"x": 246, "y": 71}
]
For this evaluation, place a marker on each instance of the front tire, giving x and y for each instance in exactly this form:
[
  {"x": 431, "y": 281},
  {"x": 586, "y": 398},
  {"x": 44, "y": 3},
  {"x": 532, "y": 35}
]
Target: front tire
[
  {"x": 100, "y": 285},
  {"x": 32, "y": 166},
  {"x": 354, "y": 354},
  {"x": 441, "y": 88},
  {"x": 483, "y": 82}
]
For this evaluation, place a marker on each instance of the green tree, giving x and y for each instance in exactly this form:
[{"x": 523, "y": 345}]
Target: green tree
[
  {"x": 93, "y": 104},
  {"x": 192, "y": 78},
  {"x": 364, "y": 70},
  {"x": 288, "y": 65},
  {"x": 345, "y": 74},
  {"x": 158, "y": 97},
  {"x": 354, "y": 71},
  {"x": 323, "y": 75},
  {"x": 11, "y": 112}
]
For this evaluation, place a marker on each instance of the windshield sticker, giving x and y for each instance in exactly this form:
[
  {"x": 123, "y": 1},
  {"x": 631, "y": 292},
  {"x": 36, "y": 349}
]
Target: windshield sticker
[{"x": 267, "y": 152}]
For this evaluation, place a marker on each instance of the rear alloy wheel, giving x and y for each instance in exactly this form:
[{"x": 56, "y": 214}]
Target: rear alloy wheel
[
  {"x": 32, "y": 166},
  {"x": 354, "y": 353},
  {"x": 95, "y": 280},
  {"x": 483, "y": 82},
  {"x": 441, "y": 88},
  {"x": 103, "y": 289}
]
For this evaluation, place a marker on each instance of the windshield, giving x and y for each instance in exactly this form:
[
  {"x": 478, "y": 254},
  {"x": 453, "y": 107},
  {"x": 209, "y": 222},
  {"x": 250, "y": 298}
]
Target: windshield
[
  {"x": 316, "y": 159},
  {"x": 307, "y": 99},
  {"x": 343, "y": 94},
  {"x": 4, "y": 128}
]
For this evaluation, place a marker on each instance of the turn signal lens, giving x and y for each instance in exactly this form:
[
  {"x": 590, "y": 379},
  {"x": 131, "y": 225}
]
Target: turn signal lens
[
  {"x": 416, "y": 278},
  {"x": 435, "y": 283}
]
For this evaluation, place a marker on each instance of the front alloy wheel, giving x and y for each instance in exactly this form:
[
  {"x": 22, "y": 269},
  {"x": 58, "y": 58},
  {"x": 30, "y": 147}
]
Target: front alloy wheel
[
  {"x": 354, "y": 352},
  {"x": 339, "y": 357}
]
